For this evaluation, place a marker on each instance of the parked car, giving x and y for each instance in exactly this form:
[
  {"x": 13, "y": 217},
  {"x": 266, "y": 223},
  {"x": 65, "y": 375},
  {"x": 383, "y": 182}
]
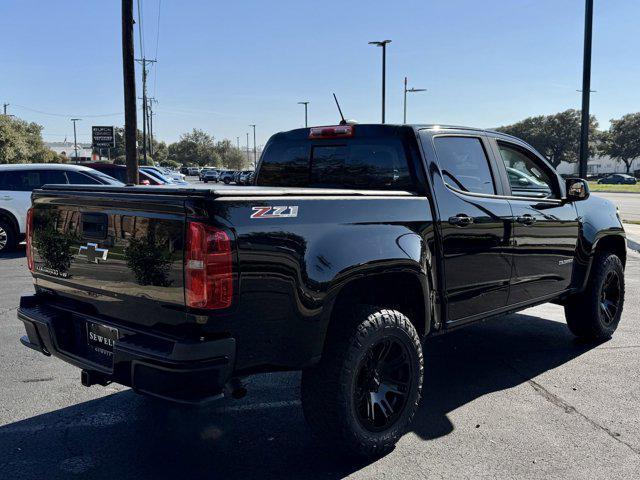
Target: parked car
[
  {"x": 18, "y": 181},
  {"x": 203, "y": 171},
  {"x": 159, "y": 175},
  {"x": 526, "y": 183},
  {"x": 618, "y": 179},
  {"x": 356, "y": 244},
  {"x": 193, "y": 171},
  {"x": 246, "y": 177},
  {"x": 119, "y": 172},
  {"x": 210, "y": 175},
  {"x": 176, "y": 177},
  {"x": 227, "y": 176}
]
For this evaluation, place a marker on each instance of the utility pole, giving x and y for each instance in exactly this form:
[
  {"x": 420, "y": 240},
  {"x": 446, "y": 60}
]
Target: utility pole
[
  {"x": 586, "y": 89},
  {"x": 305, "y": 112},
  {"x": 4, "y": 108},
  {"x": 128, "y": 73},
  {"x": 238, "y": 142},
  {"x": 410, "y": 90},
  {"x": 151, "y": 100},
  {"x": 143, "y": 61},
  {"x": 75, "y": 139},
  {"x": 248, "y": 160},
  {"x": 383, "y": 44},
  {"x": 255, "y": 160}
]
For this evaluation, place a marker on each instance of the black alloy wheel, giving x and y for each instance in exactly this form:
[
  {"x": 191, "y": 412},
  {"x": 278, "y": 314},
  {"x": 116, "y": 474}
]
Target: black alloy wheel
[
  {"x": 382, "y": 385},
  {"x": 610, "y": 297}
]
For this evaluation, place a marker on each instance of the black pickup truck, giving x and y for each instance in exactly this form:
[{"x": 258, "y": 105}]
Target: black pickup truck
[{"x": 355, "y": 243}]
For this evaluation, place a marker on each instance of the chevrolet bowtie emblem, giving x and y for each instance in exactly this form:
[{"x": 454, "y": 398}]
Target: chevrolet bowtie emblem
[{"x": 93, "y": 253}]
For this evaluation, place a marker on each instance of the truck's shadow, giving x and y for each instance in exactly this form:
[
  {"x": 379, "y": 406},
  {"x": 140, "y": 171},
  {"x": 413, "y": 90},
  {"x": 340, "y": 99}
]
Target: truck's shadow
[
  {"x": 18, "y": 252},
  {"x": 264, "y": 436}
]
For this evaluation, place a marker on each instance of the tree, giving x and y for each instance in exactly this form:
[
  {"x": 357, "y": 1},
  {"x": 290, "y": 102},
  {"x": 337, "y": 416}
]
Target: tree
[
  {"x": 170, "y": 164},
  {"x": 556, "y": 136},
  {"x": 195, "y": 148},
  {"x": 622, "y": 141},
  {"x": 234, "y": 160},
  {"x": 21, "y": 142}
]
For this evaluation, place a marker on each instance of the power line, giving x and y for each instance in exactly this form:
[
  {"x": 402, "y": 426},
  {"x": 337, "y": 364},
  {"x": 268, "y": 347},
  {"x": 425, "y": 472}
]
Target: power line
[
  {"x": 158, "y": 27},
  {"x": 66, "y": 114},
  {"x": 155, "y": 71},
  {"x": 140, "y": 36}
]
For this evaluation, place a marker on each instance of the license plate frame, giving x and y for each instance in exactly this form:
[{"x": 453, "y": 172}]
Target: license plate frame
[{"x": 101, "y": 338}]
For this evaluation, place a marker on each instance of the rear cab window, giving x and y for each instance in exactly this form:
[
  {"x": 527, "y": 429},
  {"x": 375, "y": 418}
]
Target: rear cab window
[{"x": 373, "y": 159}]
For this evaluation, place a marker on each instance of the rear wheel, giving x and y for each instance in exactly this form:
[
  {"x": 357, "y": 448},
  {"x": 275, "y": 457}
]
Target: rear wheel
[
  {"x": 362, "y": 396},
  {"x": 8, "y": 236},
  {"x": 595, "y": 313}
]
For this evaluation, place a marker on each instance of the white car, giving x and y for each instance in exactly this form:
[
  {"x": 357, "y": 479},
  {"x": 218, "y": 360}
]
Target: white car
[
  {"x": 16, "y": 183},
  {"x": 173, "y": 174}
]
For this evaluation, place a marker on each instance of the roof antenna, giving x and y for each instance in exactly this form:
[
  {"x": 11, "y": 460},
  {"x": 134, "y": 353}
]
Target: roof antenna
[{"x": 343, "y": 121}]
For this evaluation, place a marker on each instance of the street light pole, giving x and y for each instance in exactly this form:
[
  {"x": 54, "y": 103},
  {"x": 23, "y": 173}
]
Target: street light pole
[
  {"x": 383, "y": 44},
  {"x": 255, "y": 159},
  {"x": 75, "y": 139},
  {"x": 248, "y": 147},
  {"x": 238, "y": 142},
  {"x": 305, "y": 112},
  {"x": 410, "y": 90},
  {"x": 586, "y": 89}
]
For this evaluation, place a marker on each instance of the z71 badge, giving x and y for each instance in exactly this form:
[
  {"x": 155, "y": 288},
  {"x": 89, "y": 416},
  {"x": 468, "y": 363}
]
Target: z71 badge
[{"x": 274, "y": 212}]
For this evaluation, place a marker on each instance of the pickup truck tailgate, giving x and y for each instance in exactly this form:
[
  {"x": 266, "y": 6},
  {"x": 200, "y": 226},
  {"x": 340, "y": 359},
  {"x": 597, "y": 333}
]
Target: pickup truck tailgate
[{"x": 114, "y": 255}]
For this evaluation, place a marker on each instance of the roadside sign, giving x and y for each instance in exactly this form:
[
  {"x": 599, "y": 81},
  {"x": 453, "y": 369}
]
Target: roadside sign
[{"x": 103, "y": 137}]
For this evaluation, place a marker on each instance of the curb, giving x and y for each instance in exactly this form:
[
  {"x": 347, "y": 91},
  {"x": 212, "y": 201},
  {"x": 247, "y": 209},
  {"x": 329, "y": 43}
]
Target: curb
[
  {"x": 633, "y": 245},
  {"x": 597, "y": 192}
]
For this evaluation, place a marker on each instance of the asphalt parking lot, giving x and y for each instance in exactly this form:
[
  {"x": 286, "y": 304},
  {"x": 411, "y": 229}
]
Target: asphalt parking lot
[{"x": 515, "y": 397}]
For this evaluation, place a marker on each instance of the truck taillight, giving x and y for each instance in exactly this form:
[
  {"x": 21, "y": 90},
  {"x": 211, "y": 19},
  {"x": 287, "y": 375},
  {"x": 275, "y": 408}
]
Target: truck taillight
[
  {"x": 336, "y": 131},
  {"x": 29, "y": 239},
  {"x": 208, "y": 267}
]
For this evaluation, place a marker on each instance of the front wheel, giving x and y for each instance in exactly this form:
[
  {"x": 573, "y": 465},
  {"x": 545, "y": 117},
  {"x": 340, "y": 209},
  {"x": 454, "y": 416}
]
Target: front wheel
[
  {"x": 594, "y": 314},
  {"x": 364, "y": 393}
]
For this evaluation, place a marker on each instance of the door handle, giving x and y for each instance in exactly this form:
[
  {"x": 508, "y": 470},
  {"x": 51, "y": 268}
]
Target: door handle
[
  {"x": 7, "y": 197},
  {"x": 461, "y": 220},
  {"x": 526, "y": 219}
]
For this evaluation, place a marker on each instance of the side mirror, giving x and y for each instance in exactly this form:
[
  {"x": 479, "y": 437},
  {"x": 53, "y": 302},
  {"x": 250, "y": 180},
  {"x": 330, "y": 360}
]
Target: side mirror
[{"x": 577, "y": 189}]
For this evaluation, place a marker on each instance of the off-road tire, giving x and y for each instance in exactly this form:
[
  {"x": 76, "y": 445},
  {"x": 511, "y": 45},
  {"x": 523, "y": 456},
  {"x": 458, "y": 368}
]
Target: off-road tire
[
  {"x": 9, "y": 237},
  {"x": 328, "y": 388},
  {"x": 584, "y": 312}
]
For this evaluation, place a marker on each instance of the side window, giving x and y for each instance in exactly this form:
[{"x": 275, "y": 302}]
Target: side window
[
  {"x": 11, "y": 181},
  {"x": 77, "y": 178},
  {"x": 25, "y": 180},
  {"x": 52, "y": 177},
  {"x": 527, "y": 178},
  {"x": 464, "y": 164}
]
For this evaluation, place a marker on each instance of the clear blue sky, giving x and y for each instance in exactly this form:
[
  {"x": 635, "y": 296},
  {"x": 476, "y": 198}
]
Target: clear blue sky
[{"x": 224, "y": 65}]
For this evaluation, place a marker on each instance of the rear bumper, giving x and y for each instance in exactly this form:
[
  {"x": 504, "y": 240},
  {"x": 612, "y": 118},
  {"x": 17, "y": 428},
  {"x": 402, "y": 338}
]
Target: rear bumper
[{"x": 185, "y": 371}]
